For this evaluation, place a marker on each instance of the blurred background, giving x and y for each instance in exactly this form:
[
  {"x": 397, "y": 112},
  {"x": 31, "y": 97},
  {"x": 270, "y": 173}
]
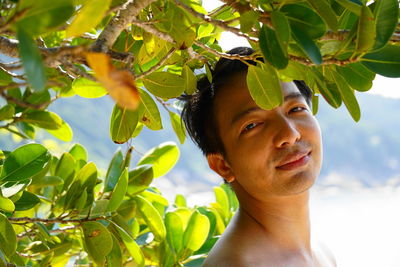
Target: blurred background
[{"x": 355, "y": 205}]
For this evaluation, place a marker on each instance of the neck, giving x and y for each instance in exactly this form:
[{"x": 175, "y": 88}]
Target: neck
[{"x": 284, "y": 220}]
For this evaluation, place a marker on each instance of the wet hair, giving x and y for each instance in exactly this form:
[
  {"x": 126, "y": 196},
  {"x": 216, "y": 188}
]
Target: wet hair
[{"x": 198, "y": 112}]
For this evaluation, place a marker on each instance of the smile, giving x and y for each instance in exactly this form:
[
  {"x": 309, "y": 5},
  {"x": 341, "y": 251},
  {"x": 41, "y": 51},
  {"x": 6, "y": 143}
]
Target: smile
[{"x": 295, "y": 161}]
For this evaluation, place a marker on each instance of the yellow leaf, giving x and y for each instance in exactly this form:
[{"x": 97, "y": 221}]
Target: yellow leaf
[
  {"x": 120, "y": 84},
  {"x": 88, "y": 17}
]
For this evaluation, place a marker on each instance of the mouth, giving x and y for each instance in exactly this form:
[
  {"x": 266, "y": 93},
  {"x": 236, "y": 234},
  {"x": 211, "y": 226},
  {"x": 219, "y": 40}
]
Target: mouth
[{"x": 294, "y": 161}]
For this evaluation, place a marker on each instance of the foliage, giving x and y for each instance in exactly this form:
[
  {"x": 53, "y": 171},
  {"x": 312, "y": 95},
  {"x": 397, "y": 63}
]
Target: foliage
[
  {"x": 58, "y": 210},
  {"x": 144, "y": 54}
]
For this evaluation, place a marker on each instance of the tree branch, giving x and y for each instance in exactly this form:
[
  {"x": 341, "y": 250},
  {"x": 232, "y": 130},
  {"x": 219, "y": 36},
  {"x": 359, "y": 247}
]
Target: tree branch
[
  {"x": 111, "y": 32},
  {"x": 55, "y": 220},
  {"x": 218, "y": 23}
]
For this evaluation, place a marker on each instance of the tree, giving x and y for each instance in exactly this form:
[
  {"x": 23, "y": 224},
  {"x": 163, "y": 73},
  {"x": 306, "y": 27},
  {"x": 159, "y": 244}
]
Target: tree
[{"x": 54, "y": 210}]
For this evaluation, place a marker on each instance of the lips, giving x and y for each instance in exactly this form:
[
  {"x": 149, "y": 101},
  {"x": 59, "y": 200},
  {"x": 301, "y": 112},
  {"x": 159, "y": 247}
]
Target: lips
[{"x": 294, "y": 160}]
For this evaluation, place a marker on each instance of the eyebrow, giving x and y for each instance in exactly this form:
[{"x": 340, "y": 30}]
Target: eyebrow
[{"x": 243, "y": 113}]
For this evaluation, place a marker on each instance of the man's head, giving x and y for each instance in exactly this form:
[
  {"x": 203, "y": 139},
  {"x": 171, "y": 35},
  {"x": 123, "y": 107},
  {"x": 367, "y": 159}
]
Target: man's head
[{"x": 241, "y": 140}]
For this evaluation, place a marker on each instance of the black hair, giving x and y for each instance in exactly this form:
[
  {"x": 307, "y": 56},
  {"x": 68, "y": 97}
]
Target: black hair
[{"x": 198, "y": 112}]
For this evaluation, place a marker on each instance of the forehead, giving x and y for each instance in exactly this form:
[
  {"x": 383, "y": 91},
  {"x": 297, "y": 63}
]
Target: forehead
[{"x": 234, "y": 97}]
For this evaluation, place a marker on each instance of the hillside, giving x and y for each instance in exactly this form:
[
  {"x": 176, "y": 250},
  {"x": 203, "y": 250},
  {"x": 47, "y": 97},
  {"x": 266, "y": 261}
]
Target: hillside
[{"x": 368, "y": 151}]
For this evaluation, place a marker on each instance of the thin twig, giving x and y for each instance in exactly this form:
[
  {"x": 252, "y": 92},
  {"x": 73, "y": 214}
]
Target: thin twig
[
  {"x": 153, "y": 30},
  {"x": 14, "y": 75},
  {"x": 13, "y": 19},
  {"x": 77, "y": 71},
  {"x": 158, "y": 65},
  {"x": 218, "y": 9},
  {"x": 225, "y": 55},
  {"x": 25, "y": 104},
  {"x": 55, "y": 231}
]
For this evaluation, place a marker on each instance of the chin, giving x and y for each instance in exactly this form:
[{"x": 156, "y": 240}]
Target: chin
[{"x": 299, "y": 183}]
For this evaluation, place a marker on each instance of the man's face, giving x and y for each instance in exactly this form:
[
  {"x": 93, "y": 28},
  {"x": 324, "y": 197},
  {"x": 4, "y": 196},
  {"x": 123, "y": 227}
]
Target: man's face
[{"x": 267, "y": 152}]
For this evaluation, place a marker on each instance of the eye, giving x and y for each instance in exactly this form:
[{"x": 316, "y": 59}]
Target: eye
[
  {"x": 299, "y": 109},
  {"x": 250, "y": 126}
]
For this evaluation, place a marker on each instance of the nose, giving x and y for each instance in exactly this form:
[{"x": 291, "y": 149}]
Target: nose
[{"x": 287, "y": 133}]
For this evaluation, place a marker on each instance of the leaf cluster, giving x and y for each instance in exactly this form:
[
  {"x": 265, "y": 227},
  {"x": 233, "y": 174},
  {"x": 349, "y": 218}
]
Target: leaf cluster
[{"x": 55, "y": 210}]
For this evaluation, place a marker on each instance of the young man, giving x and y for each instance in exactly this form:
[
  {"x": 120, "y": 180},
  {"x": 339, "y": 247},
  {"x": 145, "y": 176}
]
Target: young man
[{"x": 270, "y": 158}]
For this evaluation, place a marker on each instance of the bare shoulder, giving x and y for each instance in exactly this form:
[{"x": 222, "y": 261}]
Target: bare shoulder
[
  {"x": 225, "y": 253},
  {"x": 235, "y": 248}
]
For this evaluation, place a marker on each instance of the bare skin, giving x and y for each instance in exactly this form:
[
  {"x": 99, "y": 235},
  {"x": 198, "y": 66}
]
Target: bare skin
[{"x": 271, "y": 159}]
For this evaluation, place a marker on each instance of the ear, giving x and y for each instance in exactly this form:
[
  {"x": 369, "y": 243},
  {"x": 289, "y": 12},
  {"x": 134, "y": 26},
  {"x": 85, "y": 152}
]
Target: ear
[{"x": 218, "y": 164}]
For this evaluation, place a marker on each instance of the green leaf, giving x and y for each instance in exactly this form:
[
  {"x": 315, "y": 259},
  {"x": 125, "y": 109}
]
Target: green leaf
[
  {"x": 281, "y": 25},
  {"x": 130, "y": 244},
  {"x": 328, "y": 89},
  {"x": 178, "y": 126},
  {"x": 264, "y": 86},
  {"x": 88, "y": 17},
  {"x": 152, "y": 218},
  {"x": 304, "y": 20},
  {"x": 7, "y": 112},
  {"x": 190, "y": 80},
  {"x": 6, "y": 204},
  {"x": 164, "y": 84},
  {"x": 65, "y": 168},
  {"x": 386, "y": 17},
  {"x": 353, "y": 6},
  {"x": 43, "y": 119},
  {"x": 85, "y": 180},
  {"x": 123, "y": 124},
  {"x": 24, "y": 162},
  {"x": 315, "y": 104},
  {"x": 151, "y": 115},
  {"x": 31, "y": 60},
  {"x": 87, "y": 88},
  {"x": 44, "y": 15},
  {"x": 366, "y": 32},
  {"x": 5, "y": 78},
  {"x": 222, "y": 200},
  {"x": 348, "y": 97},
  {"x": 307, "y": 45},
  {"x": 326, "y": 12},
  {"x": 140, "y": 178},
  {"x": 10, "y": 189},
  {"x": 114, "y": 258},
  {"x": 358, "y": 76},
  {"x": 385, "y": 62},
  {"x": 97, "y": 241},
  {"x": 247, "y": 20},
  {"x": 118, "y": 192},
  {"x": 64, "y": 133},
  {"x": 196, "y": 231},
  {"x": 114, "y": 171},
  {"x": 47, "y": 181},
  {"x": 180, "y": 26},
  {"x": 208, "y": 73},
  {"x": 174, "y": 226},
  {"x": 26, "y": 201},
  {"x": 180, "y": 201},
  {"x": 8, "y": 239},
  {"x": 163, "y": 158},
  {"x": 79, "y": 152},
  {"x": 81, "y": 201},
  {"x": 271, "y": 48}
]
